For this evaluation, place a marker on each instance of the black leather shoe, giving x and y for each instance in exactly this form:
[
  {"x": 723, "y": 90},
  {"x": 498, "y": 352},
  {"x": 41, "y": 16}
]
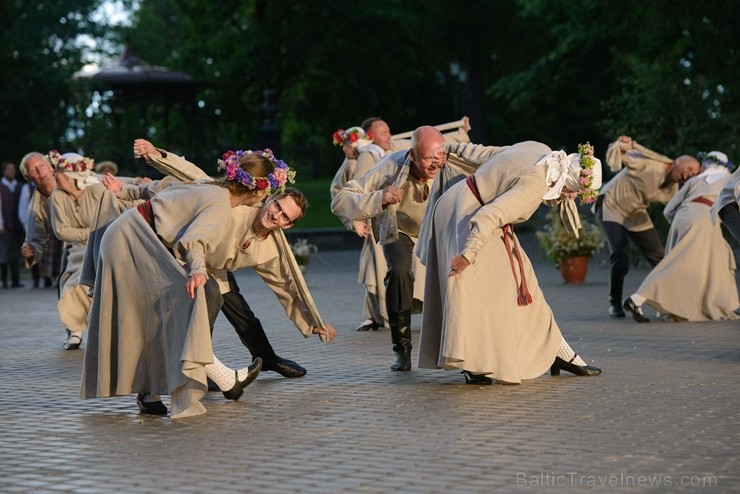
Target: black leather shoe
[
  {"x": 578, "y": 370},
  {"x": 636, "y": 310},
  {"x": 284, "y": 367},
  {"x": 471, "y": 378},
  {"x": 402, "y": 362},
  {"x": 212, "y": 386},
  {"x": 150, "y": 407},
  {"x": 237, "y": 389},
  {"x": 615, "y": 310},
  {"x": 367, "y": 326}
]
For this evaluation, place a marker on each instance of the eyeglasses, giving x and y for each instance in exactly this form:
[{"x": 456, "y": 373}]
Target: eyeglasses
[
  {"x": 282, "y": 216},
  {"x": 436, "y": 159}
]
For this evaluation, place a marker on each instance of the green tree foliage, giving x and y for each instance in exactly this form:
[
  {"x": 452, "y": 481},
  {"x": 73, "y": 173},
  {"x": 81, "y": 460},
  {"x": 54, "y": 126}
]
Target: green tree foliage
[
  {"x": 328, "y": 66},
  {"x": 664, "y": 72},
  {"x": 39, "y": 53},
  {"x": 558, "y": 71}
]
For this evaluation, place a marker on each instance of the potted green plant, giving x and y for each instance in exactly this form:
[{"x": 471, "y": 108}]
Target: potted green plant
[{"x": 569, "y": 253}]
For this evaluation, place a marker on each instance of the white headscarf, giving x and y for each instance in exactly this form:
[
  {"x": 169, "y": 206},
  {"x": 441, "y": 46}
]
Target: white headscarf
[
  {"x": 565, "y": 171},
  {"x": 715, "y": 166},
  {"x": 82, "y": 179}
]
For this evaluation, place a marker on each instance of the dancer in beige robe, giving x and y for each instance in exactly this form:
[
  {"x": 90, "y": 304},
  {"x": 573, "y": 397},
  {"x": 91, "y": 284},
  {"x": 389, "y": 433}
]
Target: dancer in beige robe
[
  {"x": 695, "y": 281},
  {"x": 622, "y": 206},
  {"x": 41, "y": 248},
  {"x": 73, "y": 205},
  {"x": 155, "y": 338},
  {"x": 484, "y": 312}
]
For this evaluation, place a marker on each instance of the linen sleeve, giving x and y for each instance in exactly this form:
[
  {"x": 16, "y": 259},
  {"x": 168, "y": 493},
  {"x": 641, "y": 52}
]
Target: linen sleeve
[
  {"x": 202, "y": 235},
  {"x": 512, "y": 205},
  {"x": 343, "y": 175},
  {"x": 38, "y": 231},
  {"x": 474, "y": 154},
  {"x": 361, "y": 198},
  {"x": 145, "y": 192},
  {"x": 23, "y": 202},
  {"x": 279, "y": 281},
  {"x": 176, "y": 166}
]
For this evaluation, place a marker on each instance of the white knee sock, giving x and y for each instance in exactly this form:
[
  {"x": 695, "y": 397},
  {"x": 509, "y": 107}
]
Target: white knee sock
[
  {"x": 638, "y": 299},
  {"x": 220, "y": 374},
  {"x": 224, "y": 376},
  {"x": 566, "y": 353}
]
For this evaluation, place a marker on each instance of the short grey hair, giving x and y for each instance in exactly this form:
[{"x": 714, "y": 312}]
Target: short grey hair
[{"x": 24, "y": 162}]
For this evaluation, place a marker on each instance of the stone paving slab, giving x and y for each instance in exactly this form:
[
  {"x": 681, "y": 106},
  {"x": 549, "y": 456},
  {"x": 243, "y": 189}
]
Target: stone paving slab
[{"x": 662, "y": 417}]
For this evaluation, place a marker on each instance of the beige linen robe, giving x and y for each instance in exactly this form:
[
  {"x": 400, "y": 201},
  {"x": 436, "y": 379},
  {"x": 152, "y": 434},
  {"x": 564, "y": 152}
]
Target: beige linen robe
[
  {"x": 695, "y": 281},
  {"x": 70, "y": 220},
  {"x": 145, "y": 334},
  {"x": 342, "y": 176},
  {"x": 628, "y": 194},
  {"x": 472, "y": 321}
]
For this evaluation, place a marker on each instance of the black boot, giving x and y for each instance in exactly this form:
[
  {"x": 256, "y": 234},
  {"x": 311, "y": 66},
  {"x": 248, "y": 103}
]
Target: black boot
[{"x": 400, "y": 324}]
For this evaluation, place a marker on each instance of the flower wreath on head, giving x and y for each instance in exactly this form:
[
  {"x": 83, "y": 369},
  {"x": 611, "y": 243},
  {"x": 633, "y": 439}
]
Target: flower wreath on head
[
  {"x": 83, "y": 165},
  {"x": 587, "y": 194},
  {"x": 713, "y": 159},
  {"x": 351, "y": 135},
  {"x": 275, "y": 181}
]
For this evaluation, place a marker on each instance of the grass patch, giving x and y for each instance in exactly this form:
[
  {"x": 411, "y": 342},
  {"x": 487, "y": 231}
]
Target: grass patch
[{"x": 318, "y": 214}]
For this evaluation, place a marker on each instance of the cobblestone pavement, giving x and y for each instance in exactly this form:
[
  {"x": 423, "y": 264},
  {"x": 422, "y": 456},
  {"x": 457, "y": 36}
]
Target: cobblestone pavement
[{"x": 662, "y": 417}]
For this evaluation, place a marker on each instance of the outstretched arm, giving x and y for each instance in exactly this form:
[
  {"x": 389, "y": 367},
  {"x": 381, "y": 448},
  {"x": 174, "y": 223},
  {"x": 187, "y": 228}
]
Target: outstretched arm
[{"x": 168, "y": 163}]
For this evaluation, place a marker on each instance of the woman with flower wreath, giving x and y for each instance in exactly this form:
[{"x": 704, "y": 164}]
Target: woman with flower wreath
[
  {"x": 351, "y": 140},
  {"x": 471, "y": 252},
  {"x": 73, "y": 206},
  {"x": 150, "y": 328},
  {"x": 357, "y": 141}
]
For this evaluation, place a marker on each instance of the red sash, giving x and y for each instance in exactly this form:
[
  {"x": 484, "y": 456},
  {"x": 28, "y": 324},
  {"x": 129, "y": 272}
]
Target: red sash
[
  {"x": 511, "y": 243},
  {"x": 703, "y": 200}
]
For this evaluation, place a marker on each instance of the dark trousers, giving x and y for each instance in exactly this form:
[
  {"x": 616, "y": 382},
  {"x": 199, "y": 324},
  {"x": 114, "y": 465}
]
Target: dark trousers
[
  {"x": 214, "y": 301},
  {"x": 399, "y": 280},
  {"x": 617, "y": 237},
  {"x": 247, "y": 326},
  {"x": 730, "y": 216}
]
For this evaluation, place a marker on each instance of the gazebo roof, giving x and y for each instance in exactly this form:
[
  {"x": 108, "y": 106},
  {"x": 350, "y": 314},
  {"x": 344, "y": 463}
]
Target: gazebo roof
[{"x": 131, "y": 70}]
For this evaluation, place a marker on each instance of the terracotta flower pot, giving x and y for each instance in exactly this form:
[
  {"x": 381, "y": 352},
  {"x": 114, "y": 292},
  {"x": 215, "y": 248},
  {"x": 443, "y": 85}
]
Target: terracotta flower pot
[{"x": 574, "y": 269}]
